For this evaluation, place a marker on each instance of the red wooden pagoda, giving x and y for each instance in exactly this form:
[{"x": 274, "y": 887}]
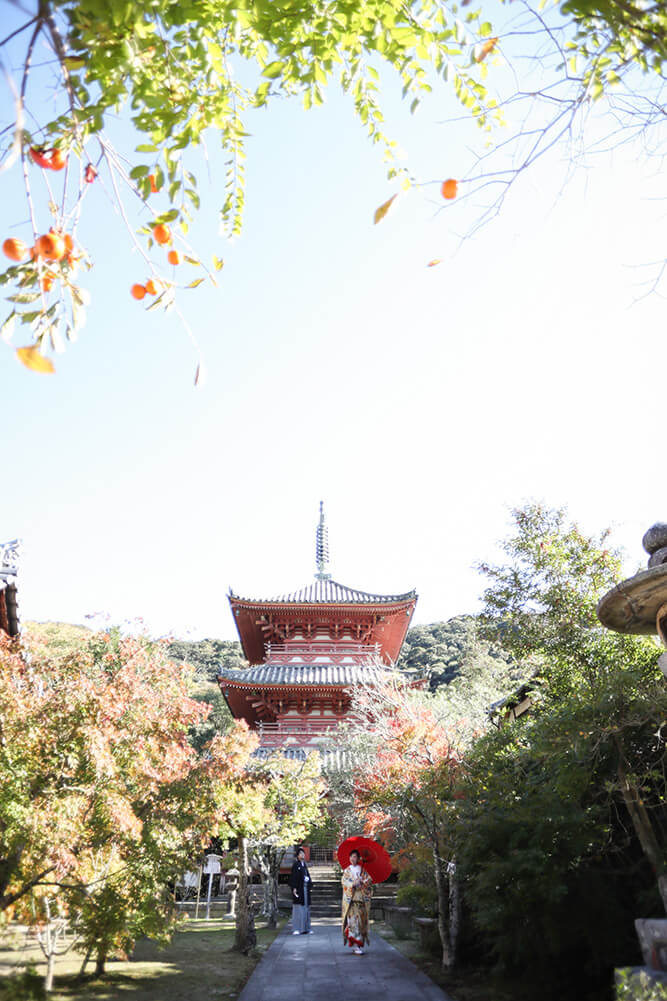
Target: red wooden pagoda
[{"x": 307, "y": 651}]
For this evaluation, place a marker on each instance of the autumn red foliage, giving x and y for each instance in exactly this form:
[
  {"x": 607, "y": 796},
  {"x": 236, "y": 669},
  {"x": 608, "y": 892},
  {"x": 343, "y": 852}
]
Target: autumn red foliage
[
  {"x": 103, "y": 798},
  {"x": 410, "y": 785}
]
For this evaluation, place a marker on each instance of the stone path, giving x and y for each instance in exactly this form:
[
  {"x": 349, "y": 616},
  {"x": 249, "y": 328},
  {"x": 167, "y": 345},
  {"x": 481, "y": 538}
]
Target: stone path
[{"x": 318, "y": 966}]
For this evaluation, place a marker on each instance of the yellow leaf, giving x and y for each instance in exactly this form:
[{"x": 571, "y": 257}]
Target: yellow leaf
[
  {"x": 382, "y": 211},
  {"x": 33, "y": 359},
  {"x": 432, "y": 264}
]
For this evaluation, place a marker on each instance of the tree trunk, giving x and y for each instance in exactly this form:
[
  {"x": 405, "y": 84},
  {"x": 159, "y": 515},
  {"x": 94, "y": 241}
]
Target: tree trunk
[
  {"x": 643, "y": 829},
  {"x": 8, "y": 866},
  {"x": 265, "y": 870},
  {"x": 50, "y": 968},
  {"x": 100, "y": 962},
  {"x": 272, "y": 919},
  {"x": 444, "y": 904},
  {"x": 275, "y": 858},
  {"x": 454, "y": 909},
  {"x": 48, "y": 947},
  {"x": 241, "y": 937},
  {"x": 85, "y": 963}
]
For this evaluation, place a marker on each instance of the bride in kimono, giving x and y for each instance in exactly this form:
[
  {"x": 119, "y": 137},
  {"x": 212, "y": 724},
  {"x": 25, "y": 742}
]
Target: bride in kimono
[{"x": 357, "y": 893}]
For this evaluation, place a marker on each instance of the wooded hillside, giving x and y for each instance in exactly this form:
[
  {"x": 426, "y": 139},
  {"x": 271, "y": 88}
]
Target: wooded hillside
[{"x": 444, "y": 650}]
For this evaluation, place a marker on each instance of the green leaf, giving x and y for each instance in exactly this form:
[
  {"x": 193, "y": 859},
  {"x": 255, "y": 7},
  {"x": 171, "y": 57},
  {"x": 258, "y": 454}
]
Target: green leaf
[
  {"x": 78, "y": 314},
  {"x": 7, "y": 328},
  {"x": 167, "y": 216},
  {"x": 273, "y": 70},
  {"x": 194, "y": 197},
  {"x": 262, "y": 92}
]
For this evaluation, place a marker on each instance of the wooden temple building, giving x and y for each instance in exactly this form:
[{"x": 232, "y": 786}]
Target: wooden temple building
[{"x": 308, "y": 651}]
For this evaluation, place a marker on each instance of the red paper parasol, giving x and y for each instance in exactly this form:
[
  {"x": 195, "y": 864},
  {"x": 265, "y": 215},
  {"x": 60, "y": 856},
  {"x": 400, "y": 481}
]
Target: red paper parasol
[{"x": 374, "y": 858}]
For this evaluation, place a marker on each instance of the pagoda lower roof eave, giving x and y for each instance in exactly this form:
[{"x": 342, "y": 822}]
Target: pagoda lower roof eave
[
  {"x": 333, "y": 686},
  {"x": 292, "y": 685},
  {"x": 369, "y": 678}
]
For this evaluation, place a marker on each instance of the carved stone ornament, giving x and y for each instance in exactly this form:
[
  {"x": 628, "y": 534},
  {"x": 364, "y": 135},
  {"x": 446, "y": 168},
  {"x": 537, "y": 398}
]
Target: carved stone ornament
[{"x": 9, "y": 557}]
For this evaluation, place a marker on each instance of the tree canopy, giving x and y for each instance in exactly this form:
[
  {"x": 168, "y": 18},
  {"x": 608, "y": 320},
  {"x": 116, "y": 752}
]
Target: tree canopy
[
  {"x": 564, "y": 808},
  {"x": 182, "y": 73}
]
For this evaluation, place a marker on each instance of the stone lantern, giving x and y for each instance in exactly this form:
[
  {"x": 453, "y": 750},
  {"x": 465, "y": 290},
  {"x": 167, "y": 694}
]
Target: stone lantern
[{"x": 638, "y": 605}]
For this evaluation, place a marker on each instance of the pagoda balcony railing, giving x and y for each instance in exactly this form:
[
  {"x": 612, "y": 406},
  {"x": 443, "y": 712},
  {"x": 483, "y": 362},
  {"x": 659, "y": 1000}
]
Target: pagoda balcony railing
[
  {"x": 296, "y": 728},
  {"x": 334, "y": 651}
]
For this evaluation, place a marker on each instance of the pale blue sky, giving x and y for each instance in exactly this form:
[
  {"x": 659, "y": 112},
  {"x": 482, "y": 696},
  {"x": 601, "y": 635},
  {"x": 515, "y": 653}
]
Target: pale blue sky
[{"x": 419, "y": 403}]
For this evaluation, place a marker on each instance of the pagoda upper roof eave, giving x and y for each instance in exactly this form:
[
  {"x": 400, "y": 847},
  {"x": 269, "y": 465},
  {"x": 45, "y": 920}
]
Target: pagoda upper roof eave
[{"x": 325, "y": 594}]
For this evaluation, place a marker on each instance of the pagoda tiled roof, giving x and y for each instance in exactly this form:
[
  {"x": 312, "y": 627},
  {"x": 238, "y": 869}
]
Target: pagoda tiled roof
[
  {"x": 297, "y": 675},
  {"x": 330, "y": 592}
]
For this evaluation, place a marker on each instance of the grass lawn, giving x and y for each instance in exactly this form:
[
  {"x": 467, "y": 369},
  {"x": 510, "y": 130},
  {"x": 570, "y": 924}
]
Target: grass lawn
[{"x": 198, "y": 965}]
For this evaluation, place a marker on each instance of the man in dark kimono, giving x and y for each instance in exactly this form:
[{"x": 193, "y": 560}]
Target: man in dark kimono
[{"x": 301, "y": 884}]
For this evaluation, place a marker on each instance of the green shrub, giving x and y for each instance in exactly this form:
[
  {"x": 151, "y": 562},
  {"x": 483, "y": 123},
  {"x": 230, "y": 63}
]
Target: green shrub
[
  {"x": 639, "y": 986},
  {"x": 422, "y": 898},
  {"x": 26, "y": 986}
]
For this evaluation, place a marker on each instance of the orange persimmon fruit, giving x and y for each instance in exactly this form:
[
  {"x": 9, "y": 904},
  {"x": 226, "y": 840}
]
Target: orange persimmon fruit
[
  {"x": 153, "y": 184},
  {"x": 161, "y": 234},
  {"x": 138, "y": 291},
  {"x": 58, "y": 159},
  {"x": 51, "y": 246},
  {"x": 449, "y": 188},
  {"x": 14, "y": 249},
  {"x": 41, "y": 157},
  {"x": 151, "y": 287},
  {"x": 174, "y": 257}
]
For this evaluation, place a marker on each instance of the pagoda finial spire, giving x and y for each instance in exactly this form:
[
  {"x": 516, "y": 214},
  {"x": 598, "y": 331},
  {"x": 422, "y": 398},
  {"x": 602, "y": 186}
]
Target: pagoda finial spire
[{"x": 322, "y": 547}]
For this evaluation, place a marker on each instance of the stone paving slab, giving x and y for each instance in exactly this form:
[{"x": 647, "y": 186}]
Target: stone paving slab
[{"x": 319, "y": 966}]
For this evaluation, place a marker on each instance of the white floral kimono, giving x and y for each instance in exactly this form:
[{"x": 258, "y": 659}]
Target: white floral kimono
[{"x": 357, "y": 893}]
